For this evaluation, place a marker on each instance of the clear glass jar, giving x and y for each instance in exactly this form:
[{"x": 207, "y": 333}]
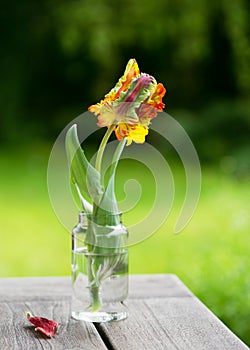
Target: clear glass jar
[{"x": 99, "y": 269}]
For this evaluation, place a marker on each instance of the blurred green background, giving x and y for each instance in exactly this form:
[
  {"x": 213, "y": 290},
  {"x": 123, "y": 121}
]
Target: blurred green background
[{"x": 58, "y": 57}]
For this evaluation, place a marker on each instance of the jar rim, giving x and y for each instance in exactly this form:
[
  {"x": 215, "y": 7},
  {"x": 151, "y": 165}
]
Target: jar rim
[{"x": 84, "y": 214}]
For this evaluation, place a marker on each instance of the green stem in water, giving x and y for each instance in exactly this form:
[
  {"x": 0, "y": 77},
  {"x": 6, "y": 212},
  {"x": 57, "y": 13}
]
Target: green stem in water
[
  {"x": 96, "y": 301},
  {"x": 93, "y": 261}
]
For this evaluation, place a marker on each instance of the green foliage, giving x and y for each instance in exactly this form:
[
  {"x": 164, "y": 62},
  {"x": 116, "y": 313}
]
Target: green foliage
[
  {"x": 87, "y": 180},
  {"x": 219, "y": 130},
  {"x": 83, "y": 175},
  {"x": 104, "y": 213}
]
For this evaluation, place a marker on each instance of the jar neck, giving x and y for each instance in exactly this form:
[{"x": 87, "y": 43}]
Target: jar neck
[
  {"x": 83, "y": 217},
  {"x": 102, "y": 219}
]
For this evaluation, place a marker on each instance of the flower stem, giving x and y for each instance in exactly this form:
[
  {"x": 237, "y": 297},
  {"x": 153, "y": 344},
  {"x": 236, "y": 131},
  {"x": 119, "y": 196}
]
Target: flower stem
[
  {"x": 102, "y": 146},
  {"x": 117, "y": 156},
  {"x": 94, "y": 288},
  {"x": 96, "y": 301},
  {"x": 102, "y": 267},
  {"x": 98, "y": 163}
]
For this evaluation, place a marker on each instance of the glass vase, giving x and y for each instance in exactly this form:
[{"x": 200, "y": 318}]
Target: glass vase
[{"x": 99, "y": 269}]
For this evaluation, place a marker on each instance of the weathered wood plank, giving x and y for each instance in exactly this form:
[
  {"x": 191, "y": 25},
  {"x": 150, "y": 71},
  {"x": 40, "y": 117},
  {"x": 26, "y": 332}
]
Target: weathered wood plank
[
  {"x": 34, "y": 287},
  {"x": 171, "y": 323},
  {"x": 24, "y": 295},
  {"x": 158, "y": 285},
  {"x": 178, "y": 321},
  {"x": 140, "y": 286},
  {"x": 164, "y": 314}
]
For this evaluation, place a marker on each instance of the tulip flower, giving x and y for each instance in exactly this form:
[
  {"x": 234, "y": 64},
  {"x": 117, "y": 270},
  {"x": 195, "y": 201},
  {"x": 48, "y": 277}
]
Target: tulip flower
[{"x": 131, "y": 105}]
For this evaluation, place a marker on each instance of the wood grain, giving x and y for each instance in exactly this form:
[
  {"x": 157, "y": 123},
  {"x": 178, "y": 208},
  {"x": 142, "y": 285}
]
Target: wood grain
[
  {"x": 159, "y": 286},
  {"x": 140, "y": 286},
  {"x": 170, "y": 323},
  {"x": 164, "y": 315},
  {"x": 48, "y": 297}
]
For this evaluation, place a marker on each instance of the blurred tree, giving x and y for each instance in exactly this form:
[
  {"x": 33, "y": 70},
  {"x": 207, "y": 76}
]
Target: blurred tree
[{"x": 60, "y": 56}]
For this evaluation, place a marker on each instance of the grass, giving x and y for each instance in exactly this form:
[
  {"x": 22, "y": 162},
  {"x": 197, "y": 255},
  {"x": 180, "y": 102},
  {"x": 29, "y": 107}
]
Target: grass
[{"x": 211, "y": 255}]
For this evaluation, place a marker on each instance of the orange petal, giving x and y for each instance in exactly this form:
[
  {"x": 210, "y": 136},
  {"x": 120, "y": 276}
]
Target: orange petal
[
  {"x": 96, "y": 108},
  {"x": 156, "y": 98},
  {"x": 131, "y": 72}
]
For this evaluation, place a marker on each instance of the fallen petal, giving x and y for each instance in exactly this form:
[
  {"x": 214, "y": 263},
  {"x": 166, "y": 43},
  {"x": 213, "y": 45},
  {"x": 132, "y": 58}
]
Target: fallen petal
[{"x": 44, "y": 325}]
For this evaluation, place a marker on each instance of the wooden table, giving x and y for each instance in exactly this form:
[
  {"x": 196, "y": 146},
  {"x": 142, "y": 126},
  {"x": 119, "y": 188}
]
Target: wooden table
[{"x": 164, "y": 314}]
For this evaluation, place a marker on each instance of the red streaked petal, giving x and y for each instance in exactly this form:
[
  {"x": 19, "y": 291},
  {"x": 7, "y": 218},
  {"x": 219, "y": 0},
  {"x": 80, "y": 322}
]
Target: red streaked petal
[
  {"x": 140, "y": 89},
  {"x": 147, "y": 112},
  {"x": 42, "y": 324}
]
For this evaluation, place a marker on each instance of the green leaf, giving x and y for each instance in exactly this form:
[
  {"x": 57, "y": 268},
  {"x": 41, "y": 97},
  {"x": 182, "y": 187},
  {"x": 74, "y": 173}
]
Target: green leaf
[
  {"x": 83, "y": 174},
  {"x": 104, "y": 214}
]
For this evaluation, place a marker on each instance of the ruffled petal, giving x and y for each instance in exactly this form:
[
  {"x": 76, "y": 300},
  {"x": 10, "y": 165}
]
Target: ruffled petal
[
  {"x": 107, "y": 115},
  {"x": 132, "y": 133},
  {"x": 131, "y": 72},
  {"x": 150, "y": 108},
  {"x": 147, "y": 112},
  {"x": 103, "y": 108},
  {"x": 156, "y": 98},
  {"x": 125, "y": 108},
  {"x": 96, "y": 108},
  {"x": 137, "y": 133},
  {"x": 140, "y": 89},
  {"x": 128, "y": 103}
]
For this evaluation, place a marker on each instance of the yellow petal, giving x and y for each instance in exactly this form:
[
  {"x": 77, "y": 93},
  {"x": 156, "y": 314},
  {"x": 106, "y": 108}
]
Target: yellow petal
[{"x": 135, "y": 133}]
